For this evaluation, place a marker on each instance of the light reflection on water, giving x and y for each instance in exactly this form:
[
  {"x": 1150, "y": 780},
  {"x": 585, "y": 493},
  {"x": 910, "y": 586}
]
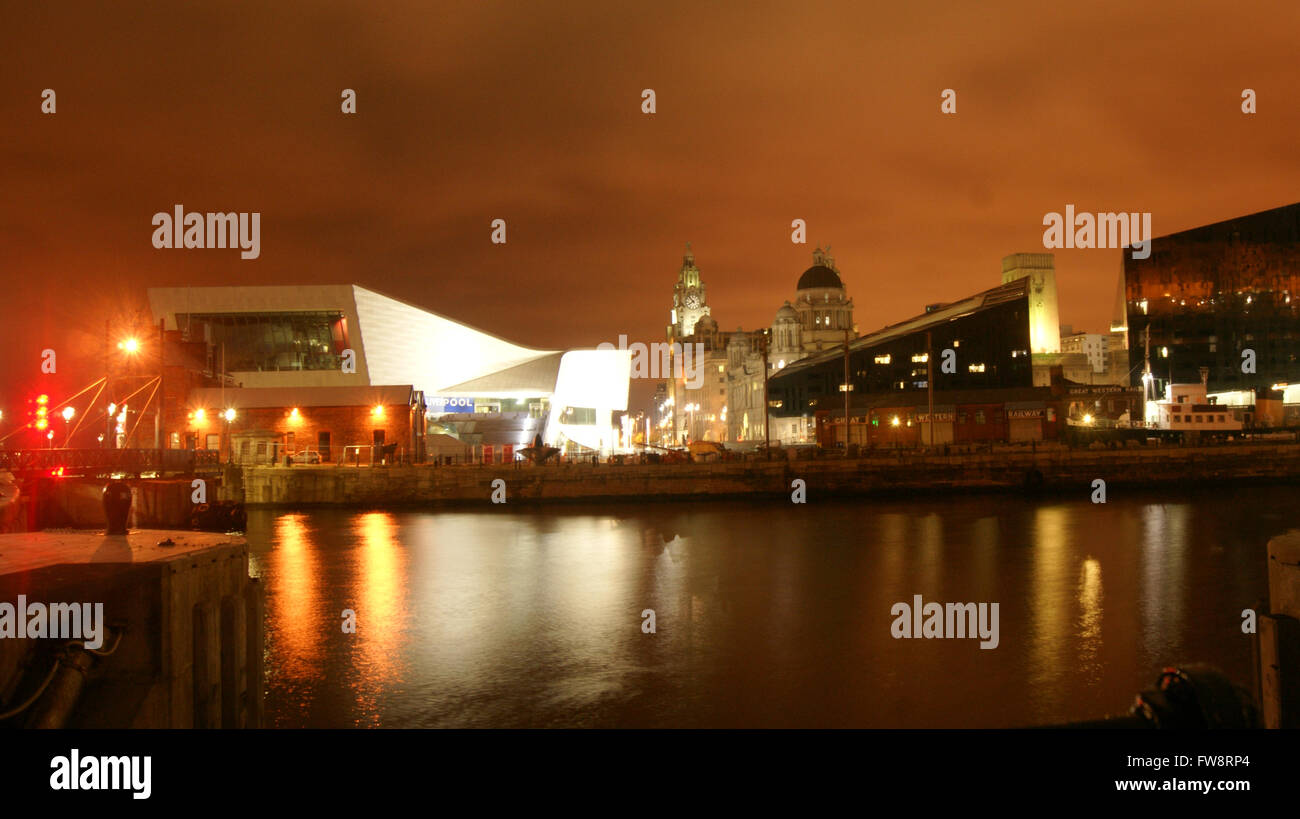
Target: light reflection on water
[{"x": 766, "y": 615}]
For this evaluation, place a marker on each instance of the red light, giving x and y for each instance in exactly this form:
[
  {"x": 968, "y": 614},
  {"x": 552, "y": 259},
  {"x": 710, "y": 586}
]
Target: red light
[
  {"x": 56, "y": 472},
  {"x": 42, "y": 399}
]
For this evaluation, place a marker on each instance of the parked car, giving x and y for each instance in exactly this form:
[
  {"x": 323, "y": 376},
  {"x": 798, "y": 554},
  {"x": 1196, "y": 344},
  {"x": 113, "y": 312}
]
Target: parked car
[{"x": 307, "y": 456}]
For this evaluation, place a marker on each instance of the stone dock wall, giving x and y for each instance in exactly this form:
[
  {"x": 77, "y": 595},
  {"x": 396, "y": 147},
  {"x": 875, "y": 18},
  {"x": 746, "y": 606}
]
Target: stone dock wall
[{"x": 1056, "y": 470}]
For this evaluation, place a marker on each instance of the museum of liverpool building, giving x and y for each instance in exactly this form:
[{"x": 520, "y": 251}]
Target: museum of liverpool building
[{"x": 342, "y": 373}]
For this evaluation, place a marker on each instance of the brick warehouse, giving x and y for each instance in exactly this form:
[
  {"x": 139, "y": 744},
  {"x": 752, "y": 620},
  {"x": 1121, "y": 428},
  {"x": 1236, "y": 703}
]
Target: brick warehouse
[{"x": 338, "y": 422}]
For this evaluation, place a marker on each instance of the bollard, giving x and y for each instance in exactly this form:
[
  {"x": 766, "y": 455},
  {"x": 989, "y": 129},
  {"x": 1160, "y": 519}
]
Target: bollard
[{"x": 117, "y": 506}]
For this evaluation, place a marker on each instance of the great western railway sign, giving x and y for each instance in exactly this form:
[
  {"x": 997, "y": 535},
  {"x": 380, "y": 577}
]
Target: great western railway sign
[{"x": 72, "y": 462}]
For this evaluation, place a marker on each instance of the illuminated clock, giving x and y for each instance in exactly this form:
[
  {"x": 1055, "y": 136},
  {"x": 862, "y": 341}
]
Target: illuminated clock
[{"x": 692, "y": 301}]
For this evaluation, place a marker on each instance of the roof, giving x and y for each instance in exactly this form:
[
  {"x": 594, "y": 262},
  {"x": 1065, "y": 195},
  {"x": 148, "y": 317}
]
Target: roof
[
  {"x": 536, "y": 377},
  {"x": 819, "y": 275},
  {"x": 1018, "y": 289},
  {"x": 275, "y": 397}
]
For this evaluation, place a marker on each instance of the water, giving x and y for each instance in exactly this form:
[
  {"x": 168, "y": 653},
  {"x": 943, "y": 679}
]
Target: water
[{"x": 766, "y": 614}]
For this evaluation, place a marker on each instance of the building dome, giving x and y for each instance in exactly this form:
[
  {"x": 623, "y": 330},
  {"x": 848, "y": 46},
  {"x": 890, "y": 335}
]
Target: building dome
[
  {"x": 819, "y": 275},
  {"x": 786, "y": 313}
]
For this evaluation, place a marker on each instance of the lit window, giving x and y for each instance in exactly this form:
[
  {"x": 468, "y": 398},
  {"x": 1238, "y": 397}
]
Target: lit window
[{"x": 977, "y": 368}]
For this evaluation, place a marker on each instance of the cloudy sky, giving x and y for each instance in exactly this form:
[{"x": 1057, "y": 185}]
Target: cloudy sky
[{"x": 531, "y": 112}]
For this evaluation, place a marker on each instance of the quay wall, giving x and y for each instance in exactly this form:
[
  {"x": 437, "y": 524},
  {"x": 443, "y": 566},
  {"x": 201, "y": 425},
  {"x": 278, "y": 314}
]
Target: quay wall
[{"x": 1058, "y": 470}]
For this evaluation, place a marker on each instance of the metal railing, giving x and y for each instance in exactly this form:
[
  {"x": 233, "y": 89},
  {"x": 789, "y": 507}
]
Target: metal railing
[{"x": 106, "y": 461}]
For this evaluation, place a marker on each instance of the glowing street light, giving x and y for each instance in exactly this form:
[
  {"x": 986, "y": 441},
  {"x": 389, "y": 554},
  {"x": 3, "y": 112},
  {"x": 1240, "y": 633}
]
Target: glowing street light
[
  {"x": 68, "y": 413},
  {"x": 129, "y": 345},
  {"x": 229, "y": 415}
]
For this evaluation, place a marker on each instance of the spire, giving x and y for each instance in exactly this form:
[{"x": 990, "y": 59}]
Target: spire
[
  {"x": 818, "y": 256},
  {"x": 689, "y": 258}
]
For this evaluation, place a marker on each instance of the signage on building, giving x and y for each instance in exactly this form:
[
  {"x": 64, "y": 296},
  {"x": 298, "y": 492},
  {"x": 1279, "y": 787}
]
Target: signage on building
[
  {"x": 439, "y": 403},
  {"x": 939, "y": 417},
  {"x": 1024, "y": 413}
]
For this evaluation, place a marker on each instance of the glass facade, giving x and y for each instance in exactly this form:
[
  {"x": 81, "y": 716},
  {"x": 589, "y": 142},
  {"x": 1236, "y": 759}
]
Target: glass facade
[
  {"x": 272, "y": 342},
  {"x": 990, "y": 350},
  {"x": 1210, "y": 294}
]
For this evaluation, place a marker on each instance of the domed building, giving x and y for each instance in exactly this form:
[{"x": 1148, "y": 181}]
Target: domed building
[
  {"x": 816, "y": 321},
  {"x": 726, "y": 402},
  {"x": 824, "y": 309}
]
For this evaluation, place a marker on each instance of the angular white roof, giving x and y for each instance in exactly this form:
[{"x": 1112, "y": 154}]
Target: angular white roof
[{"x": 394, "y": 342}]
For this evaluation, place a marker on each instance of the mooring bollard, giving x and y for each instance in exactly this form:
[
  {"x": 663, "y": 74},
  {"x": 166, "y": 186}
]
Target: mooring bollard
[{"x": 117, "y": 506}]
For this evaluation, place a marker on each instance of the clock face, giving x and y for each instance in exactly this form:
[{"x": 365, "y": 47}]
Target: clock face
[{"x": 692, "y": 301}]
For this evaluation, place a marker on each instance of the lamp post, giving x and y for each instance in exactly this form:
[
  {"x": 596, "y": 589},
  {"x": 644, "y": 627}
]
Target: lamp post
[
  {"x": 767, "y": 406},
  {"x": 68, "y": 413},
  {"x": 228, "y": 416},
  {"x": 129, "y": 346}
]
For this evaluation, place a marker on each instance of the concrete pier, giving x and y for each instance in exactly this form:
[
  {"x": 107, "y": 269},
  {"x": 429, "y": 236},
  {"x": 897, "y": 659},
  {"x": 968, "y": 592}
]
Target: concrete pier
[{"x": 182, "y": 631}]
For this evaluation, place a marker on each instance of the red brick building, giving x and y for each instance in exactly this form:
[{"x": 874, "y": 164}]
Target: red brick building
[{"x": 267, "y": 423}]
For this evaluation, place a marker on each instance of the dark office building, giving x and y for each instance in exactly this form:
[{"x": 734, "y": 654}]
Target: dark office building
[
  {"x": 1210, "y": 293},
  {"x": 989, "y": 394}
]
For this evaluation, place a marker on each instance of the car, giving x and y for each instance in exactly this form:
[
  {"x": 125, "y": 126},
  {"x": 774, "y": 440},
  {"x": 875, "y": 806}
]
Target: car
[{"x": 307, "y": 456}]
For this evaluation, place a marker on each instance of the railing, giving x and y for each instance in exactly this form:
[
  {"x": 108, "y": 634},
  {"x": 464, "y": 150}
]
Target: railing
[{"x": 106, "y": 461}]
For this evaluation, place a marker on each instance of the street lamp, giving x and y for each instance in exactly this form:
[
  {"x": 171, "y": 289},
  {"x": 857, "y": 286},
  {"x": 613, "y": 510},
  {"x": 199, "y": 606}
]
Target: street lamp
[{"x": 68, "y": 413}]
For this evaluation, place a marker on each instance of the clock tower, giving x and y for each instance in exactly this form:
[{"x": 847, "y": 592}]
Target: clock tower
[{"x": 689, "y": 303}]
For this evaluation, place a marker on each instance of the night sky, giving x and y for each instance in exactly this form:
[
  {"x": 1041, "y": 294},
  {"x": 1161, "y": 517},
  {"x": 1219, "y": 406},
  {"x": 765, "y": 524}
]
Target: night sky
[{"x": 531, "y": 112}]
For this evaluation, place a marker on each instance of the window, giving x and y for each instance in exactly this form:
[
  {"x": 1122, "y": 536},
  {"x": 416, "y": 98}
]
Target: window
[
  {"x": 581, "y": 416},
  {"x": 323, "y": 445},
  {"x": 213, "y": 442},
  {"x": 979, "y": 416},
  {"x": 306, "y": 340},
  {"x": 377, "y": 437}
]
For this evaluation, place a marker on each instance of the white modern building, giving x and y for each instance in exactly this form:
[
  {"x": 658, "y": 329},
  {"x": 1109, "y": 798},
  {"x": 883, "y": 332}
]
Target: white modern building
[{"x": 346, "y": 336}]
